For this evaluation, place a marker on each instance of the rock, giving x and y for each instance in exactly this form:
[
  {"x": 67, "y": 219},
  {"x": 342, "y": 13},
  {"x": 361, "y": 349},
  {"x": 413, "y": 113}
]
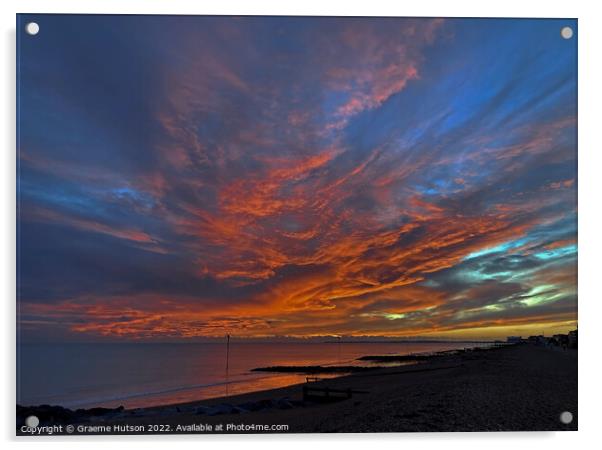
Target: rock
[
  {"x": 251, "y": 406},
  {"x": 99, "y": 411},
  {"x": 266, "y": 403},
  {"x": 202, "y": 410},
  {"x": 284, "y": 403},
  {"x": 223, "y": 408},
  {"x": 46, "y": 413}
]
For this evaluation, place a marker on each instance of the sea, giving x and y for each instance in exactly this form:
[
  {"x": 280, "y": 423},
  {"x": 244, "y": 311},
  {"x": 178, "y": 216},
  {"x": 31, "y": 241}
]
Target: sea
[{"x": 148, "y": 374}]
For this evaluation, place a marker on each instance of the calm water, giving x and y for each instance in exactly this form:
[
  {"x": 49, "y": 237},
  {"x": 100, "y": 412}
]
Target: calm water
[{"x": 135, "y": 375}]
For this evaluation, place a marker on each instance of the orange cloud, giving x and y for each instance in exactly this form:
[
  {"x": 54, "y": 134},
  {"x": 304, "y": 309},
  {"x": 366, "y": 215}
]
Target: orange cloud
[{"x": 46, "y": 215}]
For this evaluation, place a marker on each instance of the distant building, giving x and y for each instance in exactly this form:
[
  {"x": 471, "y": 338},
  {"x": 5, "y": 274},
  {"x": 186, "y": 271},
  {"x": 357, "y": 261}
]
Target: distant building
[
  {"x": 514, "y": 339},
  {"x": 533, "y": 339},
  {"x": 572, "y": 339},
  {"x": 537, "y": 340},
  {"x": 561, "y": 340}
]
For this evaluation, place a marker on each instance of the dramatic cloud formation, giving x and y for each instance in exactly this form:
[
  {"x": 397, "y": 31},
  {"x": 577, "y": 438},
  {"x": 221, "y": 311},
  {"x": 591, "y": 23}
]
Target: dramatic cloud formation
[{"x": 189, "y": 177}]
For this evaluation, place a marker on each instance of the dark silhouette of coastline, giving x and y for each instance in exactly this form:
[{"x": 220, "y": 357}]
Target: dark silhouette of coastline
[{"x": 518, "y": 387}]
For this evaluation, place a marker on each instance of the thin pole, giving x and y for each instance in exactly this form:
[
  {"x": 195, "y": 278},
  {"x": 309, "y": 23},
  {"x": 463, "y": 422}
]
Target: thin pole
[{"x": 227, "y": 360}]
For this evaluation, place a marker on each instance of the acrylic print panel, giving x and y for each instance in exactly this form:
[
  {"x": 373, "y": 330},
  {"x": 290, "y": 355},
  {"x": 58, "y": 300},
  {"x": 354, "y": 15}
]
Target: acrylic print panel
[{"x": 296, "y": 224}]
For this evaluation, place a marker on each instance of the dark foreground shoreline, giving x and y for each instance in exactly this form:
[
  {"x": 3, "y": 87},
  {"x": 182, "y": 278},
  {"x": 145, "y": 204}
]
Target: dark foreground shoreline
[{"x": 515, "y": 388}]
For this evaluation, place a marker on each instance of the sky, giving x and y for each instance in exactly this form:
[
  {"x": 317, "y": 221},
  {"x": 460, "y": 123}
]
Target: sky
[{"x": 184, "y": 177}]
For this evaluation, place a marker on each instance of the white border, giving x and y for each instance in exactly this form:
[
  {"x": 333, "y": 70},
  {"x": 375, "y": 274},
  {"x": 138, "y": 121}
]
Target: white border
[{"x": 590, "y": 191}]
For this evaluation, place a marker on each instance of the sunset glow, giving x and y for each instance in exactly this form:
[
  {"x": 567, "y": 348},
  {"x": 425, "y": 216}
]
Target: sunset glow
[{"x": 197, "y": 176}]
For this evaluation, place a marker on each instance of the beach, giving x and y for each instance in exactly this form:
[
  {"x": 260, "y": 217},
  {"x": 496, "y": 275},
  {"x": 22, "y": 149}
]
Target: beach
[{"x": 513, "y": 388}]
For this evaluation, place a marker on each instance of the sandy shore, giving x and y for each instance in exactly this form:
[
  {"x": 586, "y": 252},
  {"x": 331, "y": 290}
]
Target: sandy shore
[{"x": 517, "y": 388}]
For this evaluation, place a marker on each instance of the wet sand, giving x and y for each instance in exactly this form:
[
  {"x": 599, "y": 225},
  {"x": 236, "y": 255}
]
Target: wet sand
[{"x": 516, "y": 388}]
